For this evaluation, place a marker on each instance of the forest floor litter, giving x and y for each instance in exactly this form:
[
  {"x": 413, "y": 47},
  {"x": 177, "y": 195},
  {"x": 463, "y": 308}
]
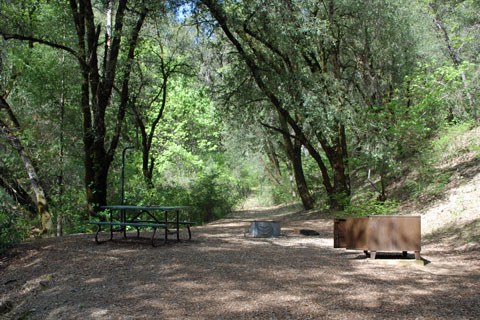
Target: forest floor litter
[{"x": 221, "y": 274}]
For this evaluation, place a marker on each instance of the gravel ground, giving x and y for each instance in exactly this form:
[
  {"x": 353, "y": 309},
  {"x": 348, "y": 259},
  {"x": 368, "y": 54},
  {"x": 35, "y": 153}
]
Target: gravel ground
[{"x": 221, "y": 274}]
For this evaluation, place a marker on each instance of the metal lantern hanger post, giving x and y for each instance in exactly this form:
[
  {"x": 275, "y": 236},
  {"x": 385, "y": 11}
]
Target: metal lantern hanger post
[
  {"x": 122, "y": 200},
  {"x": 123, "y": 174}
]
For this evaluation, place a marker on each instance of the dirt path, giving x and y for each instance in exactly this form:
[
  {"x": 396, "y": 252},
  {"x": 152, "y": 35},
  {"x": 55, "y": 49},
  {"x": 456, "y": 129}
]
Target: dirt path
[{"x": 223, "y": 275}]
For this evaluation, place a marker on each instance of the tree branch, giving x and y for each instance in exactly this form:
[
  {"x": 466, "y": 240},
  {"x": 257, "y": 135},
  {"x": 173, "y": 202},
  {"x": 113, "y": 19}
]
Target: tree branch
[
  {"x": 8, "y": 36},
  {"x": 279, "y": 130},
  {"x": 4, "y": 105},
  {"x": 124, "y": 98}
]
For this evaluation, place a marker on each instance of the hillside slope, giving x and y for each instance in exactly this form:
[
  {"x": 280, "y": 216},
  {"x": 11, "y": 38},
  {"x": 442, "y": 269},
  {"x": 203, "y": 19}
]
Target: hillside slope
[{"x": 449, "y": 201}]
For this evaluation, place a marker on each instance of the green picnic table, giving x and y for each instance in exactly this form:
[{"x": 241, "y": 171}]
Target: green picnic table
[{"x": 155, "y": 217}]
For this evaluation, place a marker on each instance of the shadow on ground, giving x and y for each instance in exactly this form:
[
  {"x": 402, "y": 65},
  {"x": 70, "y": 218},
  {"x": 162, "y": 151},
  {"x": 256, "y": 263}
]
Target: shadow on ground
[{"x": 222, "y": 275}]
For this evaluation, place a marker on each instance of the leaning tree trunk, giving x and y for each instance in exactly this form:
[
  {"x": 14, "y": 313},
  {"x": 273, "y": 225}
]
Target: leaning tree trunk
[
  {"x": 294, "y": 154},
  {"x": 41, "y": 200},
  {"x": 17, "y": 192},
  {"x": 301, "y": 182}
]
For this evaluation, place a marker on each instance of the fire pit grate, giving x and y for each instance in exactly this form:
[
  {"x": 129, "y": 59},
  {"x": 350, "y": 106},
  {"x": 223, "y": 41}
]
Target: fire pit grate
[{"x": 264, "y": 229}]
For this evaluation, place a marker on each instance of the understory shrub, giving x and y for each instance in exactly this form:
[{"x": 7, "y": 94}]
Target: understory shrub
[
  {"x": 368, "y": 205},
  {"x": 212, "y": 196},
  {"x": 13, "y": 229}
]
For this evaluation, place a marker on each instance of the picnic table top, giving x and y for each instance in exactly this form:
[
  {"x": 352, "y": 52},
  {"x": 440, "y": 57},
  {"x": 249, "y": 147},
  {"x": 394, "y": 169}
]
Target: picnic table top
[{"x": 129, "y": 207}]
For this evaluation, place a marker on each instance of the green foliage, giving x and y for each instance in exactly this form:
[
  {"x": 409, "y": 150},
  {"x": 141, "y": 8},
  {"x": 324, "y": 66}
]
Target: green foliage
[
  {"x": 211, "y": 194},
  {"x": 402, "y": 128},
  {"x": 13, "y": 228},
  {"x": 432, "y": 170},
  {"x": 450, "y": 140},
  {"x": 69, "y": 209},
  {"x": 428, "y": 181},
  {"x": 191, "y": 168},
  {"x": 268, "y": 194},
  {"x": 440, "y": 92},
  {"x": 368, "y": 205},
  {"x": 282, "y": 194}
]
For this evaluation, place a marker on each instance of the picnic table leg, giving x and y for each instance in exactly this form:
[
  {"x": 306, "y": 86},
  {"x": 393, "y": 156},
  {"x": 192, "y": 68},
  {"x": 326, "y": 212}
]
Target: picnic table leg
[
  {"x": 111, "y": 226},
  {"x": 153, "y": 237},
  {"x": 123, "y": 218},
  {"x": 166, "y": 227},
  {"x": 178, "y": 226},
  {"x": 96, "y": 235},
  {"x": 189, "y": 232}
]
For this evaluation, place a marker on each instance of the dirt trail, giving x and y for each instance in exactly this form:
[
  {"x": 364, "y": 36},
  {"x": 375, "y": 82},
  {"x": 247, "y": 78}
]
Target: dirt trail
[{"x": 220, "y": 274}]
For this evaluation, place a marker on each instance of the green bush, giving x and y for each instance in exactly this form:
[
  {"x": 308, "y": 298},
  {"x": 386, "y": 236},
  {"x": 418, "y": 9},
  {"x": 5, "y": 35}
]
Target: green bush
[
  {"x": 13, "y": 229},
  {"x": 212, "y": 196},
  {"x": 282, "y": 194},
  {"x": 369, "y": 206}
]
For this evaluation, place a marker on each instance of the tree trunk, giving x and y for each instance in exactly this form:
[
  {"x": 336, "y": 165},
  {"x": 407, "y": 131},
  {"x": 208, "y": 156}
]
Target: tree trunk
[
  {"x": 338, "y": 159},
  {"x": 294, "y": 154},
  {"x": 41, "y": 200},
  {"x": 61, "y": 158},
  {"x": 17, "y": 192},
  {"x": 148, "y": 161},
  {"x": 301, "y": 182},
  {"x": 97, "y": 90}
]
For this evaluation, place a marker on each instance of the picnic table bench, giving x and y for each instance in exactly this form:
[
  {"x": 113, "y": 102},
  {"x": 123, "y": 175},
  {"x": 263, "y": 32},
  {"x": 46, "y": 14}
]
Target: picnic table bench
[{"x": 144, "y": 217}]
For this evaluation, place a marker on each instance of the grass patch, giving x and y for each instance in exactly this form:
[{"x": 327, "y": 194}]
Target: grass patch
[
  {"x": 455, "y": 140},
  {"x": 433, "y": 165}
]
